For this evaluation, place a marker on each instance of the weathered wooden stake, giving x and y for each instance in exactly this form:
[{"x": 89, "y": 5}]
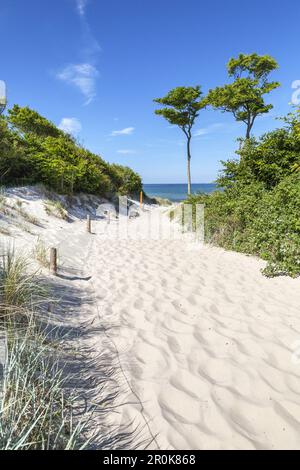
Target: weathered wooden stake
[
  {"x": 53, "y": 261},
  {"x": 88, "y": 224},
  {"x": 141, "y": 199},
  {"x": 108, "y": 217}
]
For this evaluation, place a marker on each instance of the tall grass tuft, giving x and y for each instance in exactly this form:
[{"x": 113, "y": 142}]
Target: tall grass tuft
[
  {"x": 36, "y": 411},
  {"x": 18, "y": 287},
  {"x": 41, "y": 253},
  {"x": 56, "y": 209}
]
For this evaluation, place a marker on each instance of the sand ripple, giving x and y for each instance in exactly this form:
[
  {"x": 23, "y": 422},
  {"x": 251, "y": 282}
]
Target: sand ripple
[{"x": 205, "y": 340}]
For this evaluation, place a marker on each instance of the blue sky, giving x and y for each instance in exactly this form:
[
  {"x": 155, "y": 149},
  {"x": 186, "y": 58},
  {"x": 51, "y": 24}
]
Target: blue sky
[{"x": 94, "y": 67}]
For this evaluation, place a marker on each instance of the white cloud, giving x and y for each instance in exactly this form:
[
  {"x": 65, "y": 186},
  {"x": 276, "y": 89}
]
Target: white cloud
[
  {"x": 208, "y": 130},
  {"x": 70, "y": 126},
  {"x": 126, "y": 152},
  {"x": 81, "y": 4},
  {"x": 83, "y": 76},
  {"x": 126, "y": 131}
]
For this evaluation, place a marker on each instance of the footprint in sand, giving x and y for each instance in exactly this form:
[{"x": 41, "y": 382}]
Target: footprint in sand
[{"x": 174, "y": 345}]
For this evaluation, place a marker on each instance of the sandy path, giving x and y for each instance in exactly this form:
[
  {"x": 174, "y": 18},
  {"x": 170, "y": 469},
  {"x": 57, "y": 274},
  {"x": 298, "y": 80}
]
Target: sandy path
[
  {"x": 205, "y": 341},
  {"x": 208, "y": 350}
]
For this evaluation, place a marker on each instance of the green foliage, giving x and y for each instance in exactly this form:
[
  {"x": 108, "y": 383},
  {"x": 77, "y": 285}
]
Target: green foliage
[
  {"x": 255, "y": 66},
  {"x": 33, "y": 150},
  {"x": 268, "y": 160},
  {"x": 126, "y": 180},
  {"x": 258, "y": 210},
  {"x": 12, "y": 156},
  {"x": 28, "y": 121},
  {"x": 244, "y": 98},
  {"x": 182, "y": 106}
]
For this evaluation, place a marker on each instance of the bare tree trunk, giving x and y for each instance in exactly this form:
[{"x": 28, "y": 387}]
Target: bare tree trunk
[
  {"x": 249, "y": 127},
  {"x": 248, "y": 133},
  {"x": 248, "y": 136},
  {"x": 189, "y": 164}
]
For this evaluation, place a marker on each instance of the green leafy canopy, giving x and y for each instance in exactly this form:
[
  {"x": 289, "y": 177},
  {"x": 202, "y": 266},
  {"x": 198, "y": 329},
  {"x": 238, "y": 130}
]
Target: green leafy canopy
[
  {"x": 244, "y": 98},
  {"x": 182, "y": 106}
]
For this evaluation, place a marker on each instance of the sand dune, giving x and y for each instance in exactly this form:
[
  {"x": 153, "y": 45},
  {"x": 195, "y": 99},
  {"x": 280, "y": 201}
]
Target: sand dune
[{"x": 205, "y": 344}]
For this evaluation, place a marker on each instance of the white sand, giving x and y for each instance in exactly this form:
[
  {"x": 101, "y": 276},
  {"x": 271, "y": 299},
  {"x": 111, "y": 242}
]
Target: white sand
[{"x": 206, "y": 345}]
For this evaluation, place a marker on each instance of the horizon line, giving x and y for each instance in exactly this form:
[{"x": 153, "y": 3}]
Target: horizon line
[{"x": 213, "y": 182}]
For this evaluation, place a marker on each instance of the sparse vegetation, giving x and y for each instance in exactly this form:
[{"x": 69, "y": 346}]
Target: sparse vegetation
[
  {"x": 24, "y": 214},
  {"x": 24, "y": 227},
  {"x": 56, "y": 209},
  {"x": 2, "y": 197},
  {"x": 16, "y": 211},
  {"x": 162, "y": 201},
  {"x": 41, "y": 254},
  {"x": 5, "y": 231}
]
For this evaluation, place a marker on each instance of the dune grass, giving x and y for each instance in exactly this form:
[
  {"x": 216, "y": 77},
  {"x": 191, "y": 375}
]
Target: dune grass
[
  {"x": 18, "y": 287},
  {"x": 41, "y": 254},
  {"x": 24, "y": 214},
  {"x": 35, "y": 410},
  {"x": 56, "y": 209},
  {"x": 39, "y": 407}
]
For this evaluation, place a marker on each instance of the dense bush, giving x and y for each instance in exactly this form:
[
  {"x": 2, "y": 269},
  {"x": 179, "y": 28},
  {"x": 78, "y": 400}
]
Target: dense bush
[
  {"x": 258, "y": 212},
  {"x": 126, "y": 180},
  {"x": 34, "y": 150}
]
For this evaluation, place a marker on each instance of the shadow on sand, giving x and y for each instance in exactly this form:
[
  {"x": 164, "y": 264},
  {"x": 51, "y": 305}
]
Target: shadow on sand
[{"x": 91, "y": 369}]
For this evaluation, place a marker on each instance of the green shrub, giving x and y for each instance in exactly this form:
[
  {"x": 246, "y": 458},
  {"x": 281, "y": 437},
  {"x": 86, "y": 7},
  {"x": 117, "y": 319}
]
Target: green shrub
[
  {"x": 126, "y": 181},
  {"x": 259, "y": 210},
  {"x": 33, "y": 150}
]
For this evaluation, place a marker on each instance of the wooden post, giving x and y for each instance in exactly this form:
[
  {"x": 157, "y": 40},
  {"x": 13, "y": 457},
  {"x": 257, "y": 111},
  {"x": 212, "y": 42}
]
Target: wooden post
[
  {"x": 108, "y": 217},
  {"x": 53, "y": 261},
  {"x": 141, "y": 199},
  {"x": 88, "y": 223}
]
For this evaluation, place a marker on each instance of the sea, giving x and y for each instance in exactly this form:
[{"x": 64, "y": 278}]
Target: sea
[{"x": 177, "y": 192}]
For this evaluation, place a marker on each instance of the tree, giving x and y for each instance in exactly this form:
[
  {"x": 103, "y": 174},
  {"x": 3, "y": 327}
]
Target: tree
[
  {"x": 182, "y": 108},
  {"x": 244, "y": 98},
  {"x": 12, "y": 161},
  {"x": 27, "y": 120}
]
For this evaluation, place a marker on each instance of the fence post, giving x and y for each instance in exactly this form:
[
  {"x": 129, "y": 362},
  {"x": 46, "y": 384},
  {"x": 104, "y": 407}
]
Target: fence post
[
  {"x": 141, "y": 199},
  {"x": 88, "y": 223},
  {"x": 53, "y": 261}
]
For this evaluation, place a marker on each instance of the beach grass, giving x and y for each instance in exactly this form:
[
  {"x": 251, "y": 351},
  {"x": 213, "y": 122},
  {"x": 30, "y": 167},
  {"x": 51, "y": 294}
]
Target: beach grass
[
  {"x": 35, "y": 410},
  {"x": 56, "y": 209}
]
